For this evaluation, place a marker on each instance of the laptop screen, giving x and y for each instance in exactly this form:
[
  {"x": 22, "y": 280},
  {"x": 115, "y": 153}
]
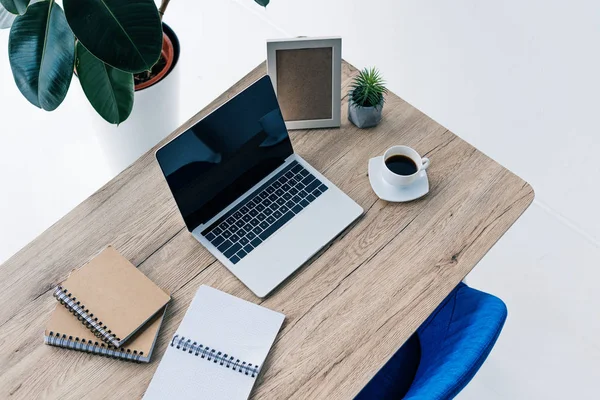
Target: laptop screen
[{"x": 217, "y": 160}]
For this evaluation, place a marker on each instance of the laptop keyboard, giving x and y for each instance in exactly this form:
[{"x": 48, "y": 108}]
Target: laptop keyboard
[{"x": 256, "y": 218}]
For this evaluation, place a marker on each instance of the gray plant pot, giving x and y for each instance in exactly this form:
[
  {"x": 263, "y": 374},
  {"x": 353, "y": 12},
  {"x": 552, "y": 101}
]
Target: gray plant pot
[{"x": 364, "y": 117}]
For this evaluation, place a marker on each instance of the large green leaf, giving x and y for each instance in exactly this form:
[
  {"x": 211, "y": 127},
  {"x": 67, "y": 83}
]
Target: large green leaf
[
  {"x": 15, "y": 6},
  {"x": 126, "y": 34},
  {"x": 6, "y": 18},
  {"x": 109, "y": 90},
  {"x": 41, "y": 51}
]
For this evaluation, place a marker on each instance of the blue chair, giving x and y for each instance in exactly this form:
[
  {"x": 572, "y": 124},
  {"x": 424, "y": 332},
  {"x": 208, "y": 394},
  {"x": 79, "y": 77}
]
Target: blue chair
[{"x": 442, "y": 357}]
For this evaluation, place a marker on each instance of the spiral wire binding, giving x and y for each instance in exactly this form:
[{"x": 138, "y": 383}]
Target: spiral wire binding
[
  {"x": 100, "y": 348},
  {"x": 83, "y": 314},
  {"x": 186, "y": 345}
]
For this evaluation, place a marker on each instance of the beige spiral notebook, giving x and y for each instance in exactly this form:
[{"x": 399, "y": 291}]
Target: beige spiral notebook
[
  {"x": 64, "y": 330},
  {"x": 111, "y": 297}
]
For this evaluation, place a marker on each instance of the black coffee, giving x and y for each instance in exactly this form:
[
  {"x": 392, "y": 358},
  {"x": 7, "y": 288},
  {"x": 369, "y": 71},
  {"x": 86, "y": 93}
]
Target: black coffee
[{"x": 401, "y": 165}]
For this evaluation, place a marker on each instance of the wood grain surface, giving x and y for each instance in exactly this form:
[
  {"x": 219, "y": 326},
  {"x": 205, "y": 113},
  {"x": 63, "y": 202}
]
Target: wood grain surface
[{"x": 347, "y": 310}]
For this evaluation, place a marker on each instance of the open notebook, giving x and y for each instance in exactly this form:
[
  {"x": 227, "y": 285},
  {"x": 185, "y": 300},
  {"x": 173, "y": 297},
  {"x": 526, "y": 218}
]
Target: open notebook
[
  {"x": 217, "y": 351},
  {"x": 111, "y": 297},
  {"x": 64, "y": 330}
]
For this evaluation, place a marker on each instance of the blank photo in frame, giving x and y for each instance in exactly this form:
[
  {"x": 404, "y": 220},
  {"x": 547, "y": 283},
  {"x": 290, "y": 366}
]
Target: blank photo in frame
[{"x": 307, "y": 77}]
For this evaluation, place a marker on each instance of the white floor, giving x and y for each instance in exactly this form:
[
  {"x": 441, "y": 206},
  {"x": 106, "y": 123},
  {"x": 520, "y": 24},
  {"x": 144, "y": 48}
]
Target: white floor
[{"x": 519, "y": 80}]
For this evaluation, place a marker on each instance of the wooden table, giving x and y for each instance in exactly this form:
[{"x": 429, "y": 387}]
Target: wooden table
[{"x": 347, "y": 312}]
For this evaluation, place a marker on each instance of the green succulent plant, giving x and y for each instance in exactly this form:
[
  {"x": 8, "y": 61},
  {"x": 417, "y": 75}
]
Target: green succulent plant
[
  {"x": 105, "y": 41},
  {"x": 368, "y": 89}
]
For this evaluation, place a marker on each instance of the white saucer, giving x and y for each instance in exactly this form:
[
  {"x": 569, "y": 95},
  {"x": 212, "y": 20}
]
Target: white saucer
[{"x": 387, "y": 192}]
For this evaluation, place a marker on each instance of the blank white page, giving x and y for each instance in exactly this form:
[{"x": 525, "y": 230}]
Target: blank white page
[{"x": 227, "y": 324}]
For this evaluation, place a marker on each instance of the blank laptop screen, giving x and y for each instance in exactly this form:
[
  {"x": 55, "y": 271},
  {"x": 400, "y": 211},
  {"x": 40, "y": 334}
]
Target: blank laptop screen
[{"x": 217, "y": 160}]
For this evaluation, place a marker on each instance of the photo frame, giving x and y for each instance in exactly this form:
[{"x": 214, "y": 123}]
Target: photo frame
[{"x": 307, "y": 77}]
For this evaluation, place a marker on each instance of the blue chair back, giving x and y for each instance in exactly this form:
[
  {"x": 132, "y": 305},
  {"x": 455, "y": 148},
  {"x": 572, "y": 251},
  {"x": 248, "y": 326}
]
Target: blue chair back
[{"x": 446, "y": 352}]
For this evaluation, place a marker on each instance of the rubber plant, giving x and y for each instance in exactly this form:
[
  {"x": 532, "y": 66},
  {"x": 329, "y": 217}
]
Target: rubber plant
[{"x": 105, "y": 42}]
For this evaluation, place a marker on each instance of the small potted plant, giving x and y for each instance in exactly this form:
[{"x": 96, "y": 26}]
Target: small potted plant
[{"x": 366, "y": 98}]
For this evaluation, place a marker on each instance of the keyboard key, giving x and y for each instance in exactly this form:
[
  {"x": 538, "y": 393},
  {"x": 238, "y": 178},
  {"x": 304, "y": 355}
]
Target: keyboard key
[
  {"x": 310, "y": 198},
  {"x": 234, "y": 238},
  {"x": 323, "y": 187},
  {"x": 230, "y": 220},
  {"x": 293, "y": 191},
  {"x": 254, "y": 222},
  {"x": 217, "y": 231},
  {"x": 274, "y": 206},
  {"x": 237, "y": 215},
  {"x": 297, "y": 168},
  {"x": 268, "y": 212},
  {"x": 286, "y": 187},
  {"x": 277, "y": 214},
  {"x": 281, "y": 201},
  {"x": 293, "y": 182},
  {"x": 244, "y": 210},
  {"x": 276, "y": 185},
  {"x": 278, "y": 192},
  {"x": 260, "y": 207},
  {"x": 273, "y": 196},
  {"x": 316, "y": 193},
  {"x": 217, "y": 241},
  {"x": 283, "y": 209},
  {"x": 248, "y": 227},
  {"x": 296, "y": 199},
  {"x": 269, "y": 190},
  {"x": 210, "y": 236},
  {"x": 240, "y": 223},
  {"x": 278, "y": 224},
  {"x": 290, "y": 204},
  {"x": 250, "y": 235},
  {"x": 303, "y": 193},
  {"x": 289, "y": 174},
  {"x": 250, "y": 204},
  {"x": 246, "y": 218},
  {"x": 248, "y": 248},
  {"x": 233, "y": 228},
  {"x": 283, "y": 180},
  {"x": 224, "y": 246},
  {"x": 307, "y": 180},
  {"x": 313, "y": 185},
  {"x": 244, "y": 241},
  {"x": 234, "y": 259},
  {"x": 297, "y": 208},
  {"x": 256, "y": 242},
  {"x": 304, "y": 172},
  {"x": 263, "y": 195},
  {"x": 267, "y": 202},
  {"x": 227, "y": 234},
  {"x": 232, "y": 250},
  {"x": 257, "y": 230},
  {"x": 253, "y": 213},
  {"x": 224, "y": 225},
  {"x": 241, "y": 232},
  {"x": 261, "y": 217},
  {"x": 270, "y": 219},
  {"x": 264, "y": 225},
  {"x": 241, "y": 254},
  {"x": 304, "y": 203}
]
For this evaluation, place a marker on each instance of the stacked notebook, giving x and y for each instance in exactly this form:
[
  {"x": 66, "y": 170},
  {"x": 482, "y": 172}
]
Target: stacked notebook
[
  {"x": 217, "y": 351},
  {"x": 108, "y": 307}
]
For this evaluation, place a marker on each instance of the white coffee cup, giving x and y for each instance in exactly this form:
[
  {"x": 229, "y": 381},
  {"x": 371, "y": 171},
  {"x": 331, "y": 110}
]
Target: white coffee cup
[{"x": 394, "y": 179}]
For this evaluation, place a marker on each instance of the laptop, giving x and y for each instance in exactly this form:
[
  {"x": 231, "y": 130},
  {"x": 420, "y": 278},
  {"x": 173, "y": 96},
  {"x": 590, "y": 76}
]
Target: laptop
[{"x": 258, "y": 207}]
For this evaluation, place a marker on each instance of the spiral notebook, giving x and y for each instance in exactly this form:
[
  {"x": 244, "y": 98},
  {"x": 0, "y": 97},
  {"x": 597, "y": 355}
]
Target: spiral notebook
[
  {"x": 217, "y": 351},
  {"x": 64, "y": 330},
  {"x": 111, "y": 297}
]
